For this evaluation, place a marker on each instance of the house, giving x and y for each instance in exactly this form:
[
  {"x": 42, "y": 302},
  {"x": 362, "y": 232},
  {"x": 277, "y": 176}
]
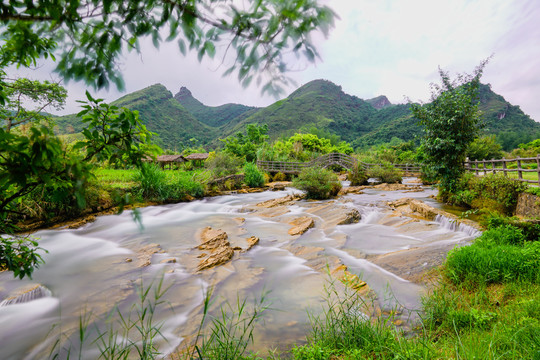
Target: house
[
  {"x": 197, "y": 158},
  {"x": 164, "y": 160}
]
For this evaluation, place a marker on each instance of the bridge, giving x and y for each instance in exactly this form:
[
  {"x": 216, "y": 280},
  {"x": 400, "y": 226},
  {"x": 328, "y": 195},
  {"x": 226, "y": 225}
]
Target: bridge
[{"x": 325, "y": 161}]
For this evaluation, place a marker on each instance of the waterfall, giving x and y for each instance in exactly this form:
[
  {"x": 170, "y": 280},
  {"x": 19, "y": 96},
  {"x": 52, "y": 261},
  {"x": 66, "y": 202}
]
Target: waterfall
[
  {"x": 37, "y": 292},
  {"x": 455, "y": 225}
]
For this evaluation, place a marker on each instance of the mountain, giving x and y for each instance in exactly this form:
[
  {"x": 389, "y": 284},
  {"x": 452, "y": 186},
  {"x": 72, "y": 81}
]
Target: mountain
[
  {"x": 501, "y": 116},
  {"x": 379, "y": 102},
  {"x": 161, "y": 114},
  {"x": 212, "y": 116},
  {"x": 323, "y": 105},
  {"x": 318, "y": 104}
]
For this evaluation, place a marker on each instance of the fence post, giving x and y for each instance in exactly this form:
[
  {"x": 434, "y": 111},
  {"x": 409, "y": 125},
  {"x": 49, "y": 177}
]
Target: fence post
[
  {"x": 520, "y": 174},
  {"x": 493, "y": 165},
  {"x": 538, "y": 167},
  {"x": 504, "y": 167},
  {"x": 476, "y": 167}
]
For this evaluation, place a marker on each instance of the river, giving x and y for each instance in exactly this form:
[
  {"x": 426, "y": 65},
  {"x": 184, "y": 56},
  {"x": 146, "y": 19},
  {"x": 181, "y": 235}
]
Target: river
[{"x": 95, "y": 271}]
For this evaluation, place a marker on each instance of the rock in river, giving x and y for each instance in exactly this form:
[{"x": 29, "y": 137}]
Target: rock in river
[{"x": 301, "y": 225}]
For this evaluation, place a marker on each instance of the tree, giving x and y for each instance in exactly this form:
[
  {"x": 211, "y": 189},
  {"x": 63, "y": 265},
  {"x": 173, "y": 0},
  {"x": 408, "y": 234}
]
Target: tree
[
  {"x": 484, "y": 147},
  {"x": 89, "y": 36},
  {"x": 22, "y": 91},
  {"x": 245, "y": 146},
  {"x": 451, "y": 123}
]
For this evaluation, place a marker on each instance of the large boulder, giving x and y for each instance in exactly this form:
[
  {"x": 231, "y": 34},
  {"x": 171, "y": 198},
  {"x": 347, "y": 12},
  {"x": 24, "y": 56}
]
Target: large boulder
[
  {"x": 216, "y": 241},
  {"x": 286, "y": 200},
  {"x": 213, "y": 239},
  {"x": 218, "y": 256},
  {"x": 301, "y": 225}
]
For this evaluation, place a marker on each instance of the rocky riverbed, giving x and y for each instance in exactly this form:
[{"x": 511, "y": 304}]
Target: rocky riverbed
[{"x": 379, "y": 241}]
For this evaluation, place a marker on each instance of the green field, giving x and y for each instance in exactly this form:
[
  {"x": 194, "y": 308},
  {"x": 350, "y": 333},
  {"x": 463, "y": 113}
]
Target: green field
[{"x": 126, "y": 179}]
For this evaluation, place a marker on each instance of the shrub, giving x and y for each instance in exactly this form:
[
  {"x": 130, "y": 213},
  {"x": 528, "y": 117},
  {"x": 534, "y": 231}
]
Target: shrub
[
  {"x": 318, "y": 183},
  {"x": 358, "y": 175},
  {"x": 252, "y": 175},
  {"x": 533, "y": 190},
  {"x": 280, "y": 177},
  {"x": 189, "y": 187},
  {"x": 386, "y": 173},
  {"x": 223, "y": 164},
  {"x": 428, "y": 175},
  {"x": 493, "y": 192}
]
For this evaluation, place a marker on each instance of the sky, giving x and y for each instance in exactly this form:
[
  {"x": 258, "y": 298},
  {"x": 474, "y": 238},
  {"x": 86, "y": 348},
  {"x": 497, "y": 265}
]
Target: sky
[{"x": 377, "y": 47}]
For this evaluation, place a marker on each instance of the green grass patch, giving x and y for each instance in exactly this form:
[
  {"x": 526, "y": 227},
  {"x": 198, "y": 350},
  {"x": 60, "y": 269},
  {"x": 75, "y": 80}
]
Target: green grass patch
[
  {"x": 155, "y": 184},
  {"x": 116, "y": 178},
  {"x": 496, "y": 321},
  {"x": 500, "y": 255}
]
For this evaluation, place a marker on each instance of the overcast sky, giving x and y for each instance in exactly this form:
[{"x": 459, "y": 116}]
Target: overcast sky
[{"x": 378, "y": 47}]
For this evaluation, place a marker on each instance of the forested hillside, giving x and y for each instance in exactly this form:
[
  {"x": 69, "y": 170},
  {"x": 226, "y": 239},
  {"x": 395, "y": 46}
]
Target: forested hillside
[
  {"x": 318, "y": 104},
  {"x": 161, "y": 114},
  {"x": 215, "y": 116}
]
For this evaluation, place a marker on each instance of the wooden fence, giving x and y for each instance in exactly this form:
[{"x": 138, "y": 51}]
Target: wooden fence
[
  {"x": 523, "y": 165},
  {"x": 406, "y": 168},
  {"x": 343, "y": 160}
]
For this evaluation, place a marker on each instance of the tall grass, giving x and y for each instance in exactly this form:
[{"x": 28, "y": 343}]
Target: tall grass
[
  {"x": 344, "y": 331},
  {"x": 471, "y": 321},
  {"x": 158, "y": 185},
  {"x": 152, "y": 181},
  {"x": 229, "y": 332},
  {"x": 499, "y": 255},
  {"x": 117, "y": 342},
  {"x": 124, "y": 336}
]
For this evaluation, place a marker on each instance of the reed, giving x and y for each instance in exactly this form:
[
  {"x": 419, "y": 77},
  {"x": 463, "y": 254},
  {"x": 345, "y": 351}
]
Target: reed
[{"x": 227, "y": 334}]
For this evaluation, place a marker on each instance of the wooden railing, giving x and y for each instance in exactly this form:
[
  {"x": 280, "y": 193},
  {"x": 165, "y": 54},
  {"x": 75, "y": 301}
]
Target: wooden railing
[
  {"x": 483, "y": 167},
  {"x": 286, "y": 167},
  {"x": 325, "y": 161},
  {"x": 406, "y": 168}
]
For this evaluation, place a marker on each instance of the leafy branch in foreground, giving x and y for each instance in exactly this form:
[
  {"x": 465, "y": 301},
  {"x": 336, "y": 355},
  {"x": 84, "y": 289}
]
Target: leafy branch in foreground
[
  {"x": 19, "y": 255},
  {"x": 89, "y": 37},
  {"x": 33, "y": 158},
  {"x": 113, "y": 134}
]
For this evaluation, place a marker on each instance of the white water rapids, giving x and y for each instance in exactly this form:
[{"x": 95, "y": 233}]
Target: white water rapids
[{"x": 87, "y": 273}]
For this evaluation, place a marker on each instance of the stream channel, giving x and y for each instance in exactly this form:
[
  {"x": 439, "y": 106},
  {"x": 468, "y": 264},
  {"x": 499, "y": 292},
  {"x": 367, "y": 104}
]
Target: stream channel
[{"x": 95, "y": 271}]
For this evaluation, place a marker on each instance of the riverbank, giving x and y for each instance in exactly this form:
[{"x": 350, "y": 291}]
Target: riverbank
[{"x": 90, "y": 214}]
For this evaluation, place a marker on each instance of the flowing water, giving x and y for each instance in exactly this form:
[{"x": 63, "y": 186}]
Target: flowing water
[{"x": 95, "y": 271}]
